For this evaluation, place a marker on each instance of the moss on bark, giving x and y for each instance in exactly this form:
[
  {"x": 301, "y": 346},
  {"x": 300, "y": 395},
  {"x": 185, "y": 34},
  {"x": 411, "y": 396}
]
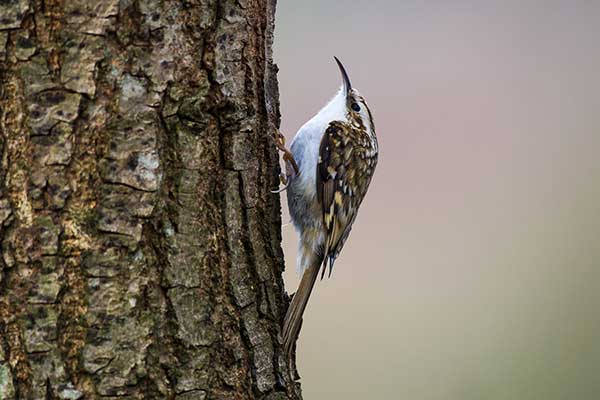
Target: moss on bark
[{"x": 140, "y": 242}]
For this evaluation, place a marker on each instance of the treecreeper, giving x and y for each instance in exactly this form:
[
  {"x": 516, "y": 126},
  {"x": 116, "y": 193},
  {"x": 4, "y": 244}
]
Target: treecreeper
[{"x": 333, "y": 158}]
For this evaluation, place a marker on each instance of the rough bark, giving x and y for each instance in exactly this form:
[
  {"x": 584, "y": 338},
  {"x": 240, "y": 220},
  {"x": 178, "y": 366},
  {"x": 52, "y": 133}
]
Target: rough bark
[{"x": 140, "y": 243}]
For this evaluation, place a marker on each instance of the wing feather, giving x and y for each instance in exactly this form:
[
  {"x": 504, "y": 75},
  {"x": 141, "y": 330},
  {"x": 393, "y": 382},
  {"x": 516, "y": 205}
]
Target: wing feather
[{"x": 341, "y": 185}]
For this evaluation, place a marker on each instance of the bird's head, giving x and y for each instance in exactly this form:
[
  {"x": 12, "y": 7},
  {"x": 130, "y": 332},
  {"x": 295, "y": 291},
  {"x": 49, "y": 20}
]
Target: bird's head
[{"x": 356, "y": 110}]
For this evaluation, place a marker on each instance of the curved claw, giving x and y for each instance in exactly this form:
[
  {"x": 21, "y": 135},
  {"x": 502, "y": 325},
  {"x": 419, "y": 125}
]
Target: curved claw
[
  {"x": 283, "y": 189},
  {"x": 291, "y": 165},
  {"x": 286, "y": 180}
]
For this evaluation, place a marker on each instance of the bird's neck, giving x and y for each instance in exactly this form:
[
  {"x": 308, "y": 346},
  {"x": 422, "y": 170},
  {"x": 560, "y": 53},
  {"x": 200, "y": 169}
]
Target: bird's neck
[{"x": 335, "y": 110}]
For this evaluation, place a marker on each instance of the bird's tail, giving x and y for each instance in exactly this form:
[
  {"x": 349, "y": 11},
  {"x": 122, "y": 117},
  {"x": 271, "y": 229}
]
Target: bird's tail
[{"x": 293, "y": 317}]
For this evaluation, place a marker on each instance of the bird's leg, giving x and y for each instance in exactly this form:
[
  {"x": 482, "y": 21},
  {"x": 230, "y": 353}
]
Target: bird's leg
[{"x": 288, "y": 157}]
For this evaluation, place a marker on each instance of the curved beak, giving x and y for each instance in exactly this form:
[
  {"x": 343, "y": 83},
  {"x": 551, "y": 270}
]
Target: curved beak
[{"x": 345, "y": 78}]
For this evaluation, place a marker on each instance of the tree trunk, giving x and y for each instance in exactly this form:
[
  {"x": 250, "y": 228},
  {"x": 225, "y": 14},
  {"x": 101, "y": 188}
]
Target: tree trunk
[{"x": 140, "y": 242}]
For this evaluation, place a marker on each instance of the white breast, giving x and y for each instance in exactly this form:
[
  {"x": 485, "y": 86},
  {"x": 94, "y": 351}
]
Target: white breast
[
  {"x": 305, "y": 209},
  {"x": 305, "y": 145}
]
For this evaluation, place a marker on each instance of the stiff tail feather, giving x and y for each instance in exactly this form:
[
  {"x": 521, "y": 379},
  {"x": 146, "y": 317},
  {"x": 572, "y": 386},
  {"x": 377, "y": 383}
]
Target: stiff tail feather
[{"x": 293, "y": 317}]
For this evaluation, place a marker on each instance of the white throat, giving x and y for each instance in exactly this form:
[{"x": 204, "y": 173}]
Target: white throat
[
  {"x": 305, "y": 145},
  {"x": 335, "y": 110}
]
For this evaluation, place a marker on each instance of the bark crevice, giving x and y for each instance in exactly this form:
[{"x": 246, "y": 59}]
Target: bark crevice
[{"x": 140, "y": 242}]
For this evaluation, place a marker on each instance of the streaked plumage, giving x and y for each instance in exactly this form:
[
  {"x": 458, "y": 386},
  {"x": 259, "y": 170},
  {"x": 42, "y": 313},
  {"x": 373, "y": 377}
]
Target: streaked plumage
[{"x": 336, "y": 153}]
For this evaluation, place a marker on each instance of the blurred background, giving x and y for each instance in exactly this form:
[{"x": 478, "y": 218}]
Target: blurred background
[{"x": 473, "y": 269}]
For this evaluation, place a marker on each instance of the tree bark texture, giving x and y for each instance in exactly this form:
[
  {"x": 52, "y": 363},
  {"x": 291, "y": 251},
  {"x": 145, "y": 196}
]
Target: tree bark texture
[{"x": 140, "y": 243}]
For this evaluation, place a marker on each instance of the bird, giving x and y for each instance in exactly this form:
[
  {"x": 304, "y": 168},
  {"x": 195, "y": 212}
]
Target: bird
[{"x": 335, "y": 154}]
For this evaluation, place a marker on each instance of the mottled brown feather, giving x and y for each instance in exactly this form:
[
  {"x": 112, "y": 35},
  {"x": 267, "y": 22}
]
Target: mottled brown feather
[{"x": 347, "y": 159}]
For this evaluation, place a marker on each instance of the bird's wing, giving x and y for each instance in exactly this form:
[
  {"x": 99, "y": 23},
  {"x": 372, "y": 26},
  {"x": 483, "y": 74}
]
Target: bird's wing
[{"x": 342, "y": 181}]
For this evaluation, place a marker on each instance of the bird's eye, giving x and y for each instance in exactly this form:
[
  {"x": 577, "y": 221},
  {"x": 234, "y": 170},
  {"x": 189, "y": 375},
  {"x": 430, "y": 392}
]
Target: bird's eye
[{"x": 355, "y": 107}]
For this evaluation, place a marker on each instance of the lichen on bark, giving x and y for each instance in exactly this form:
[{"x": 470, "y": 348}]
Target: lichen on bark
[{"x": 140, "y": 240}]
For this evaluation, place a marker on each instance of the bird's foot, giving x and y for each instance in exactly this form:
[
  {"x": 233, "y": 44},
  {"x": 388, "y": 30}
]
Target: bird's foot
[{"x": 291, "y": 167}]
